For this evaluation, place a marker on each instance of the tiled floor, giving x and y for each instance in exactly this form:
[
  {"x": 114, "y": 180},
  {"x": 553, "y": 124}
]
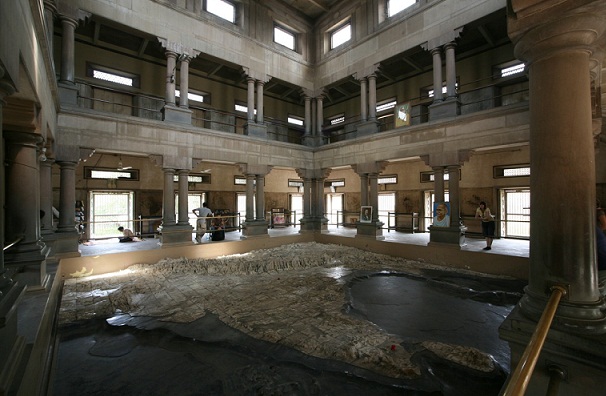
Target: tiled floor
[{"x": 504, "y": 246}]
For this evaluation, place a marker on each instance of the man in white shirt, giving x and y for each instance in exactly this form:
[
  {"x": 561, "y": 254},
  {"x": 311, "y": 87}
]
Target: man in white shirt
[{"x": 201, "y": 214}]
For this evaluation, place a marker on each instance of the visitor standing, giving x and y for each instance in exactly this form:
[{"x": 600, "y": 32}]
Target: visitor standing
[
  {"x": 483, "y": 212},
  {"x": 201, "y": 214}
]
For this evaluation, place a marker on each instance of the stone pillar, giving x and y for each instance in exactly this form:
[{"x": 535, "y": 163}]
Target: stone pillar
[
  {"x": 313, "y": 200},
  {"x": 451, "y": 72},
  {"x": 68, "y": 92},
  {"x": 250, "y": 198},
  {"x": 171, "y": 68},
  {"x": 260, "y": 102},
  {"x": 436, "y": 53},
  {"x": 67, "y": 49},
  {"x": 22, "y": 208},
  {"x": 66, "y": 236},
  {"x": 562, "y": 246},
  {"x": 363, "y": 100},
  {"x": 454, "y": 195},
  {"x": 374, "y": 195},
  {"x": 49, "y": 15},
  {"x": 438, "y": 183},
  {"x": 318, "y": 203},
  {"x": 46, "y": 196},
  {"x": 6, "y": 89},
  {"x": 319, "y": 117},
  {"x": 250, "y": 102},
  {"x": 372, "y": 98},
  {"x": 559, "y": 41},
  {"x": 260, "y": 198},
  {"x": 183, "y": 197},
  {"x": 364, "y": 189},
  {"x": 314, "y": 117},
  {"x": 307, "y": 210},
  {"x": 184, "y": 82},
  {"x": 308, "y": 121},
  {"x": 168, "y": 206}
]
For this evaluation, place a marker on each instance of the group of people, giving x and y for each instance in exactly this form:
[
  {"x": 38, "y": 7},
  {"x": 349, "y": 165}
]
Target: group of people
[{"x": 217, "y": 225}]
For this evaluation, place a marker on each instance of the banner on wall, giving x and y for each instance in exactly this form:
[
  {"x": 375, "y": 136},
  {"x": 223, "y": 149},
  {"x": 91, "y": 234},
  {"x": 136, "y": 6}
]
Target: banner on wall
[{"x": 402, "y": 114}]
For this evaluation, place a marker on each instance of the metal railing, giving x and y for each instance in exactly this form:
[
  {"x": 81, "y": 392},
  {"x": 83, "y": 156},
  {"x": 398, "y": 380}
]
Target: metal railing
[
  {"x": 13, "y": 243},
  {"x": 518, "y": 381}
]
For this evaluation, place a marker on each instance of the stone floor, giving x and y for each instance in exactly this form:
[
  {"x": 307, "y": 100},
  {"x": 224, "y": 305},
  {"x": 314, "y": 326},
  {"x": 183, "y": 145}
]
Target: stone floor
[{"x": 302, "y": 319}]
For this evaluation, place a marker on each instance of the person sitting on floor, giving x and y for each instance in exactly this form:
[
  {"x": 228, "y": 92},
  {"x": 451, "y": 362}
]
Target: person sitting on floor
[
  {"x": 127, "y": 235},
  {"x": 218, "y": 230}
]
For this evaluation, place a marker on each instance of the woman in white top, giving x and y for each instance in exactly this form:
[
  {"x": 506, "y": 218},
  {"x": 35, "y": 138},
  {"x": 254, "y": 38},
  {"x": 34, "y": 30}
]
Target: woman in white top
[{"x": 487, "y": 223}]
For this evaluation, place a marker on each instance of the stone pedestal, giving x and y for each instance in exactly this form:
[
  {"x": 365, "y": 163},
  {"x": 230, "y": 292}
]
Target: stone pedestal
[
  {"x": 176, "y": 114},
  {"x": 68, "y": 94},
  {"x": 66, "y": 244},
  {"x": 26, "y": 263},
  {"x": 447, "y": 235},
  {"x": 313, "y": 224},
  {"x": 445, "y": 109},
  {"x": 12, "y": 346},
  {"x": 370, "y": 230},
  {"x": 581, "y": 359},
  {"x": 367, "y": 128},
  {"x": 174, "y": 235},
  {"x": 256, "y": 130},
  {"x": 313, "y": 141},
  {"x": 255, "y": 228}
]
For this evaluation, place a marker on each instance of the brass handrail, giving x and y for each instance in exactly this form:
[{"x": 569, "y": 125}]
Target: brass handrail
[
  {"x": 518, "y": 382},
  {"x": 13, "y": 243}
]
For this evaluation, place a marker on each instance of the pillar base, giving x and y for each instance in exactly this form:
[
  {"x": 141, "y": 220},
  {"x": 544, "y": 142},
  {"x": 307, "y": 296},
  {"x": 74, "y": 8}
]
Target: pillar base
[
  {"x": 255, "y": 229},
  {"x": 367, "y": 128},
  {"x": 66, "y": 244},
  {"x": 12, "y": 346},
  {"x": 311, "y": 224},
  {"x": 68, "y": 93},
  {"x": 26, "y": 264},
  {"x": 256, "y": 130},
  {"x": 176, "y": 114},
  {"x": 580, "y": 358},
  {"x": 447, "y": 235},
  {"x": 313, "y": 141},
  {"x": 370, "y": 230},
  {"x": 447, "y": 108},
  {"x": 174, "y": 235}
]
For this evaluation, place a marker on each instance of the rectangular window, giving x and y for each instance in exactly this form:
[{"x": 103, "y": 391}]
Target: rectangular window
[
  {"x": 337, "y": 120},
  {"x": 386, "y": 105},
  {"x": 512, "y": 70},
  {"x": 396, "y": 6},
  {"x": 295, "y": 120},
  {"x": 340, "y": 36},
  {"x": 511, "y": 171},
  {"x": 430, "y": 177},
  {"x": 222, "y": 9},
  {"x": 109, "y": 173},
  {"x": 205, "y": 179},
  {"x": 241, "y": 181},
  {"x": 284, "y": 37},
  {"x": 391, "y": 179},
  {"x": 112, "y": 75},
  {"x": 243, "y": 109},
  {"x": 295, "y": 183},
  {"x": 191, "y": 96}
]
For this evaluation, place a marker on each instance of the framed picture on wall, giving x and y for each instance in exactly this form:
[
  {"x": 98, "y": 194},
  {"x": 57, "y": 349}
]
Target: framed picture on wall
[{"x": 365, "y": 214}]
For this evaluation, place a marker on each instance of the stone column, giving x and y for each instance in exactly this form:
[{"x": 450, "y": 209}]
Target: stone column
[
  {"x": 168, "y": 206},
  {"x": 46, "y": 196},
  {"x": 451, "y": 72},
  {"x": 260, "y": 102},
  {"x": 438, "y": 183},
  {"x": 562, "y": 242},
  {"x": 308, "y": 118},
  {"x": 453, "y": 194},
  {"x": 184, "y": 82},
  {"x": 364, "y": 189},
  {"x": 6, "y": 89},
  {"x": 372, "y": 98},
  {"x": 250, "y": 198},
  {"x": 436, "y": 53},
  {"x": 319, "y": 117},
  {"x": 363, "y": 100},
  {"x": 49, "y": 15},
  {"x": 250, "y": 102},
  {"x": 307, "y": 209},
  {"x": 183, "y": 197},
  {"x": 67, "y": 49},
  {"x": 318, "y": 203},
  {"x": 67, "y": 196},
  {"x": 260, "y": 198},
  {"x": 171, "y": 67}
]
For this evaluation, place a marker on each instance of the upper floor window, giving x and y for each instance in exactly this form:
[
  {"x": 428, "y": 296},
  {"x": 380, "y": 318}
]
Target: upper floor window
[
  {"x": 243, "y": 108},
  {"x": 510, "y": 70},
  {"x": 337, "y": 119},
  {"x": 222, "y": 9},
  {"x": 511, "y": 171},
  {"x": 385, "y": 105},
  {"x": 114, "y": 76},
  {"x": 340, "y": 35},
  {"x": 284, "y": 37},
  {"x": 295, "y": 120},
  {"x": 191, "y": 96},
  {"x": 395, "y": 6}
]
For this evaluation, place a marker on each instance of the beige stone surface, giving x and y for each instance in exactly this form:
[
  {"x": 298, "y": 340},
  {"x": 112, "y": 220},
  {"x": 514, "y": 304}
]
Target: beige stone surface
[{"x": 292, "y": 295}]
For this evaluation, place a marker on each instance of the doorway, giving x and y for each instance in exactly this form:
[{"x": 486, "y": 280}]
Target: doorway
[
  {"x": 515, "y": 213},
  {"x": 334, "y": 207},
  {"x": 110, "y": 210}
]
